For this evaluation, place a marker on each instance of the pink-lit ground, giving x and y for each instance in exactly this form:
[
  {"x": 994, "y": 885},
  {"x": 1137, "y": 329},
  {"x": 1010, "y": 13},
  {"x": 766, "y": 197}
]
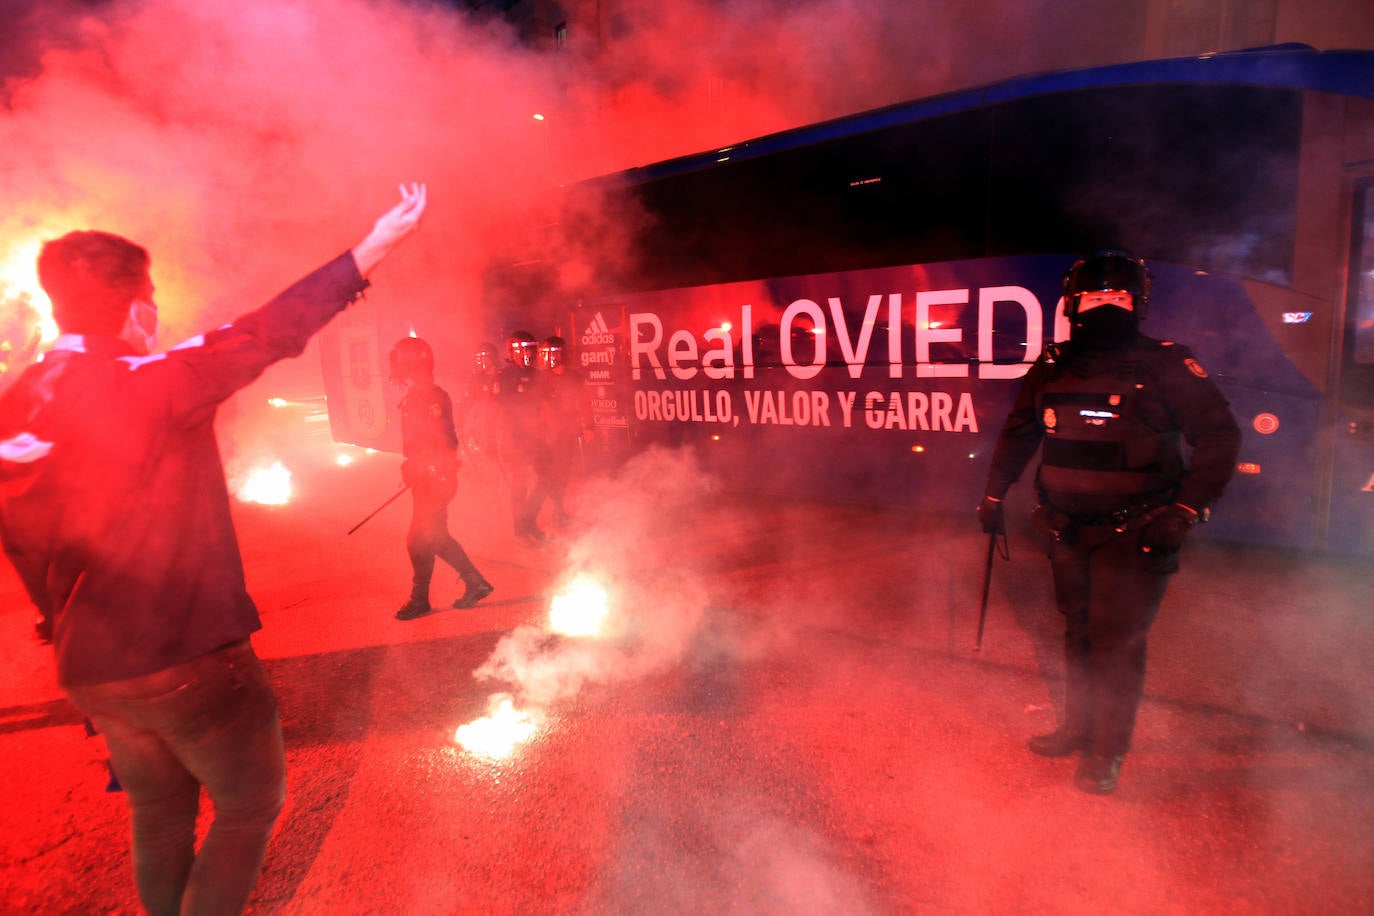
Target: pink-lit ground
[{"x": 821, "y": 739}]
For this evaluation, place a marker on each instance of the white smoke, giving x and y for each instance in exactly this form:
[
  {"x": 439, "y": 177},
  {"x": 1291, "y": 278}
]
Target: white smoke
[{"x": 659, "y": 598}]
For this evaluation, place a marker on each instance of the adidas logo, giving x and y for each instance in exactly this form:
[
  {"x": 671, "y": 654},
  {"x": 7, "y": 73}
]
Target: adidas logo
[{"x": 597, "y": 332}]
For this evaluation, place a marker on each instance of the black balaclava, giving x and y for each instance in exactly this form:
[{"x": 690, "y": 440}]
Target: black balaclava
[{"x": 1107, "y": 327}]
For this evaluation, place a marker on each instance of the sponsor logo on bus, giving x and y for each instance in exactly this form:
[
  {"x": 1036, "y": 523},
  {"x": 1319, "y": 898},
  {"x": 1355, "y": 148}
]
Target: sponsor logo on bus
[
  {"x": 597, "y": 358},
  {"x": 597, "y": 332}
]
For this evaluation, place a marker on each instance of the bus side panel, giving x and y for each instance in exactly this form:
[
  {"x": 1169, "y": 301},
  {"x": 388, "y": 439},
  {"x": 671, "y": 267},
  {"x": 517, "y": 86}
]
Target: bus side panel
[
  {"x": 1275, "y": 496},
  {"x": 808, "y": 392}
]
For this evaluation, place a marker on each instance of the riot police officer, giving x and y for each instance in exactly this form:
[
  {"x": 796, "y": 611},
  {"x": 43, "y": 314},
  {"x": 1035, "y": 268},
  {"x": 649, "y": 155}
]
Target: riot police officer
[
  {"x": 525, "y": 454},
  {"x": 568, "y": 412},
  {"x": 1117, "y": 498},
  {"x": 475, "y": 413},
  {"x": 430, "y": 469}
]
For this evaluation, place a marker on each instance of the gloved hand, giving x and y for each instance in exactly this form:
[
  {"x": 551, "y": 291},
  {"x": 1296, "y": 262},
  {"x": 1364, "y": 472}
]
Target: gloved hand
[
  {"x": 991, "y": 515},
  {"x": 1166, "y": 532}
]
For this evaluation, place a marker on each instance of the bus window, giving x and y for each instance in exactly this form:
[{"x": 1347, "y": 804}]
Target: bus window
[
  {"x": 884, "y": 197},
  {"x": 1197, "y": 175}
]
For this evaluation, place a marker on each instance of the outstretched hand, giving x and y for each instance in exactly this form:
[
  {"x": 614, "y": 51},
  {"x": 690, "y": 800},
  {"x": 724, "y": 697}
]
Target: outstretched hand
[
  {"x": 401, "y": 219},
  {"x": 391, "y": 227}
]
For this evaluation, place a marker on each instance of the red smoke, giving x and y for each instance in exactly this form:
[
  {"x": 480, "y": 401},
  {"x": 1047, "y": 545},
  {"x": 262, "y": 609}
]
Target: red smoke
[{"x": 243, "y": 143}]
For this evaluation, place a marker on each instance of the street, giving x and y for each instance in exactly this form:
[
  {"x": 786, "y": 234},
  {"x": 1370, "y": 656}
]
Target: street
[{"x": 787, "y": 715}]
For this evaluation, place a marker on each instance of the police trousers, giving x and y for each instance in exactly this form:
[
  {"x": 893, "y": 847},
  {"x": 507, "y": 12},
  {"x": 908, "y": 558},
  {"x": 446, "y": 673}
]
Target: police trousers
[
  {"x": 429, "y": 537},
  {"x": 1109, "y": 592}
]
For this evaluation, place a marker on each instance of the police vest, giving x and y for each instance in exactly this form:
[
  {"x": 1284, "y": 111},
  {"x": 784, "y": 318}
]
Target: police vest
[{"x": 1109, "y": 443}]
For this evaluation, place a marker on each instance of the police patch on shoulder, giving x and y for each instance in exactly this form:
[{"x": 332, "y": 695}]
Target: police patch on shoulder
[
  {"x": 436, "y": 410},
  {"x": 1195, "y": 367}
]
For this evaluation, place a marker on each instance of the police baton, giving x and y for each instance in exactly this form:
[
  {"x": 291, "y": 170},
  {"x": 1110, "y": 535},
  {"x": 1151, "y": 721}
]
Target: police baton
[
  {"x": 987, "y": 584},
  {"x": 391, "y": 499}
]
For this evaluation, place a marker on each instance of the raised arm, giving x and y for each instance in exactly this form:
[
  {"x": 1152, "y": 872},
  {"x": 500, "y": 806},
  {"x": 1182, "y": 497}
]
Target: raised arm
[
  {"x": 391, "y": 228},
  {"x": 222, "y": 361}
]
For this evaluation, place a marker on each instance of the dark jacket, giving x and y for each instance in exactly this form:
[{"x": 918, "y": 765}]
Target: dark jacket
[
  {"x": 429, "y": 442},
  {"x": 427, "y": 423},
  {"x": 113, "y": 504},
  {"x": 1112, "y": 423}
]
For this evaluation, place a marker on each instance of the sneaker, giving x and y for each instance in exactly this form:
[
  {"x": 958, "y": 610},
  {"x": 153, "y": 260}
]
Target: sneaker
[
  {"x": 474, "y": 593},
  {"x": 412, "y": 609}
]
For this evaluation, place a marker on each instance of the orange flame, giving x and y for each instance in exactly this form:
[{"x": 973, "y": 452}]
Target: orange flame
[
  {"x": 580, "y": 609},
  {"x": 497, "y": 735},
  {"x": 19, "y": 284},
  {"x": 270, "y": 486}
]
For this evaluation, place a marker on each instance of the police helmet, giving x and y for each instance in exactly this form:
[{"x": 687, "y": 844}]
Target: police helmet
[
  {"x": 551, "y": 352},
  {"x": 412, "y": 360},
  {"x": 1104, "y": 270},
  {"x": 485, "y": 356},
  {"x": 522, "y": 349}
]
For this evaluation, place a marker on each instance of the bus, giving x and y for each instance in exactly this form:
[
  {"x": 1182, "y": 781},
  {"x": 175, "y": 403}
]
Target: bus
[{"x": 844, "y": 310}]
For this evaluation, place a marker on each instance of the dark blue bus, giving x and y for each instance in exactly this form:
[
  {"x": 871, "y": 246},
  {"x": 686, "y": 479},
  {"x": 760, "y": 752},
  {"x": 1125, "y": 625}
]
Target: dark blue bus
[{"x": 844, "y": 310}]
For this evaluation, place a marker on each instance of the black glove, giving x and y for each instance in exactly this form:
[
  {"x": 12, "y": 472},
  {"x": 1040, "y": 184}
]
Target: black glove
[
  {"x": 1166, "y": 532},
  {"x": 990, "y": 514}
]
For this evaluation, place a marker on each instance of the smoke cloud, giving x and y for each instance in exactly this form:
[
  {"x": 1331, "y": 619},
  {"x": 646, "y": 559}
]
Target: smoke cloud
[
  {"x": 244, "y": 142},
  {"x": 658, "y": 597}
]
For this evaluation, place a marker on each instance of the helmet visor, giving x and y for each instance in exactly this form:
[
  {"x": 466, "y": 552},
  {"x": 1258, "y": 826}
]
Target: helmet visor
[{"x": 1119, "y": 298}]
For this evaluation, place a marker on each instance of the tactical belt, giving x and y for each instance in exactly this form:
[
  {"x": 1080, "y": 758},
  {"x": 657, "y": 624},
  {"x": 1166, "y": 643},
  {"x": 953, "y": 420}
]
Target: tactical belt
[{"x": 1121, "y": 516}]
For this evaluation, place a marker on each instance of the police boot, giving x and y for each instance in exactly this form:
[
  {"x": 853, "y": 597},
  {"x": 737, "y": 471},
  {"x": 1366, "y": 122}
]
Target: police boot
[
  {"x": 473, "y": 592},
  {"x": 1098, "y": 773},
  {"x": 417, "y": 606},
  {"x": 1059, "y": 743}
]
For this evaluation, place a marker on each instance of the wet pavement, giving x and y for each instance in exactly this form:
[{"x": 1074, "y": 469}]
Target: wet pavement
[{"x": 788, "y": 717}]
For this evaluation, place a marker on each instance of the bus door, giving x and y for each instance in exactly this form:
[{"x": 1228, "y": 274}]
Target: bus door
[{"x": 1351, "y": 528}]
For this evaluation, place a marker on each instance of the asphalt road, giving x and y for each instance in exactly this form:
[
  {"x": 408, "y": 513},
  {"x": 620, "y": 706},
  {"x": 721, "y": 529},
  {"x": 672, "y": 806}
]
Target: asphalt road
[{"x": 786, "y": 715}]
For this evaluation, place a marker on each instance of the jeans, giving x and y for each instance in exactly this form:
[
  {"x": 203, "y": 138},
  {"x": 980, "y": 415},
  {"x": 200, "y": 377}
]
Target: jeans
[{"x": 208, "y": 722}]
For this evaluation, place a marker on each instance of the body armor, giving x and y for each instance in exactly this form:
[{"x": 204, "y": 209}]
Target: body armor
[{"x": 1109, "y": 443}]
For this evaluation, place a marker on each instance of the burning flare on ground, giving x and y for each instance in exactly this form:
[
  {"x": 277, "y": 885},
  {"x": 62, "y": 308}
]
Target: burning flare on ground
[
  {"x": 270, "y": 486},
  {"x": 498, "y": 734},
  {"x": 580, "y": 609}
]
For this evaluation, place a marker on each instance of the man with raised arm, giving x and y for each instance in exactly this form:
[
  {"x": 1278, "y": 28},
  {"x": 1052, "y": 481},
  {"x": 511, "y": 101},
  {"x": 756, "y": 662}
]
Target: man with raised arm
[{"x": 115, "y": 513}]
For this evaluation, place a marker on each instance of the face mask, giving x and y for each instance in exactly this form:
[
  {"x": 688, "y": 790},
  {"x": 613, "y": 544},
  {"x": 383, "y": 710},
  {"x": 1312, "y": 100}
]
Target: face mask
[{"x": 1104, "y": 327}]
